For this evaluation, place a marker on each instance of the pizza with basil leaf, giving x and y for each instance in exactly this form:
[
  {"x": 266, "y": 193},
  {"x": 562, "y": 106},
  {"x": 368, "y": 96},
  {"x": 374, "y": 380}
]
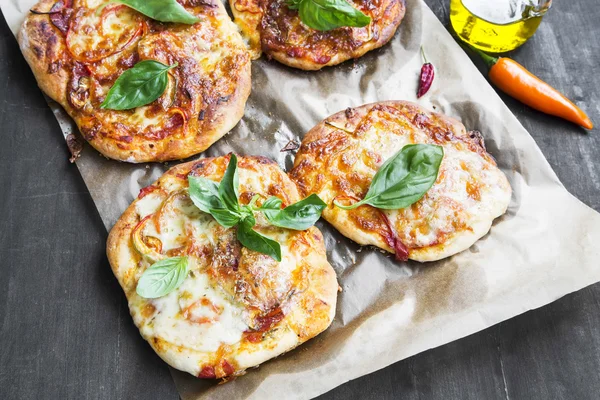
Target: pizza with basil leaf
[
  {"x": 145, "y": 80},
  {"x": 222, "y": 266},
  {"x": 312, "y": 34},
  {"x": 397, "y": 176}
]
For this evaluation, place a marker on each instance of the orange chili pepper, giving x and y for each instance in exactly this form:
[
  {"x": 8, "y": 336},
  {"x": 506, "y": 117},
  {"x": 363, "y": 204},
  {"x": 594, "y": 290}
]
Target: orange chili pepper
[{"x": 513, "y": 79}]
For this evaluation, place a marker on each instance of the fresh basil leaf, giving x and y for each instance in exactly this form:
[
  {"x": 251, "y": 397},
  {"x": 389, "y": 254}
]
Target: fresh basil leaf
[
  {"x": 325, "y": 15},
  {"x": 161, "y": 10},
  {"x": 228, "y": 188},
  {"x": 253, "y": 240},
  {"x": 246, "y": 211},
  {"x": 138, "y": 86},
  {"x": 248, "y": 219},
  {"x": 272, "y": 203},
  {"x": 162, "y": 277},
  {"x": 299, "y": 216},
  {"x": 404, "y": 178},
  {"x": 205, "y": 194},
  {"x": 226, "y": 218}
]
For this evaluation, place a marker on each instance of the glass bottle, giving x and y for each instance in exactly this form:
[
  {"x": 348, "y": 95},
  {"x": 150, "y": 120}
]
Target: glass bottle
[{"x": 497, "y": 26}]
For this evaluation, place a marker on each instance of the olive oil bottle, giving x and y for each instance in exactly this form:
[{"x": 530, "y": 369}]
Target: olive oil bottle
[{"x": 497, "y": 26}]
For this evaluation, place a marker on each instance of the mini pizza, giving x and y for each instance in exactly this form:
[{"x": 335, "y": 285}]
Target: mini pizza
[
  {"x": 78, "y": 49},
  {"x": 339, "y": 158},
  {"x": 236, "y": 307},
  {"x": 275, "y": 27}
]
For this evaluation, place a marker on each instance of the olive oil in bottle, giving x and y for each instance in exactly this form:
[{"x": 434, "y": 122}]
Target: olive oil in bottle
[{"x": 497, "y": 26}]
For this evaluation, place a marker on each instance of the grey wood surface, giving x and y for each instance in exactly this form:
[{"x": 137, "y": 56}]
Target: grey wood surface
[{"x": 65, "y": 329}]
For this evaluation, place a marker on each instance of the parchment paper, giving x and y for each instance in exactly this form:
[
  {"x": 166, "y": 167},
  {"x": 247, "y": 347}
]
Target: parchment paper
[{"x": 543, "y": 248}]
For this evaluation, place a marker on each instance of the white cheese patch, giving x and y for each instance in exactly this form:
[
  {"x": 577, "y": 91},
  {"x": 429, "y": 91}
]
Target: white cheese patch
[
  {"x": 109, "y": 30},
  {"x": 149, "y": 204},
  {"x": 471, "y": 188},
  {"x": 179, "y": 221},
  {"x": 198, "y": 316},
  {"x": 142, "y": 119},
  {"x": 251, "y": 181},
  {"x": 288, "y": 263},
  {"x": 449, "y": 199}
]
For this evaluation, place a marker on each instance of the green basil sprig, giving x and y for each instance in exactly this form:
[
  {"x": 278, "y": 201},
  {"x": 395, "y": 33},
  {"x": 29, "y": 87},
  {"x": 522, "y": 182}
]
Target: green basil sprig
[
  {"x": 325, "y": 15},
  {"x": 162, "y": 277},
  {"x": 253, "y": 240},
  {"x": 228, "y": 189},
  {"x": 221, "y": 201},
  {"x": 138, "y": 86},
  {"x": 404, "y": 178},
  {"x": 298, "y": 216},
  {"x": 161, "y": 10}
]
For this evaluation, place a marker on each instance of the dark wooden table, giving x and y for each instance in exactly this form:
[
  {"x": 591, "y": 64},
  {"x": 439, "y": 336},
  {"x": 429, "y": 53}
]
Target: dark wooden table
[{"x": 65, "y": 330}]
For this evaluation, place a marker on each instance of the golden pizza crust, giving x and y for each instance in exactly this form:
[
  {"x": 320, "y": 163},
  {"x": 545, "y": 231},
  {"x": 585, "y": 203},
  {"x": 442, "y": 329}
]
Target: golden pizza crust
[
  {"x": 306, "y": 310},
  {"x": 205, "y": 98},
  {"x": 339, "y": 157},
  {"x": 269, "y": 26}
]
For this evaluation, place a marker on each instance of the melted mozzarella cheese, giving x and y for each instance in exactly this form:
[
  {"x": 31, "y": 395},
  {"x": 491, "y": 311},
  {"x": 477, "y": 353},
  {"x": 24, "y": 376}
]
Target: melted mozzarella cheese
[
  {"x": 469, "y": 194},
  {"x": 143, "y": 120},
  {"x": 149, "y": 204},
  {"x": 220, "y": 318},
  {"x": 448, "y": 202},
  {"x": 106, "y": 31},
  {"x": 252, "y": 181},
  {"x": 209, "y": 53},
  {"x": 198, "y": 315},
  {"x": 289, "y": 262},
  {"x": 179, "y": 219}
]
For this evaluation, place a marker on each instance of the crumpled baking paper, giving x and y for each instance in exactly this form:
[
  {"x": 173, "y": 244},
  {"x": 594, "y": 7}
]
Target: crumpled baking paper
[{"x": 543, "y": 248}]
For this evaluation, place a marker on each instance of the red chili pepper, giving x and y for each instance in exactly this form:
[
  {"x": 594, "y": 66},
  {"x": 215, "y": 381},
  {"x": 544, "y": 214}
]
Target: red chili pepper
[{"x": 427, "y": 75}]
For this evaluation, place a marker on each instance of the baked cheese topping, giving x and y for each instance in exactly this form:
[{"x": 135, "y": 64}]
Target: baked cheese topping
[
  {"x": 339, "y": 160},
  {"x": 199, "y": 314},
  {"x": 95, "y": 35},
  {"x": 203, "y": 50},
  {"x": 237, "y": 307},
  {"x": 93, "y": 42},
  {"x": 271, "y": 26}
]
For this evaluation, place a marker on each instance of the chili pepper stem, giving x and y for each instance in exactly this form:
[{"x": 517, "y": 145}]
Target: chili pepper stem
[
  {"x": 423, "y": 55},
  {"x": 489, "y": 60}
]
